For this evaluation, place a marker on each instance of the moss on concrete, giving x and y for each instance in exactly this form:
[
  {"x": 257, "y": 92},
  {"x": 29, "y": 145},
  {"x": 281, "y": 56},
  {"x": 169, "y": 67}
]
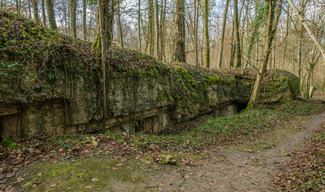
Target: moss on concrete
[{"x": 75, "y": 176}]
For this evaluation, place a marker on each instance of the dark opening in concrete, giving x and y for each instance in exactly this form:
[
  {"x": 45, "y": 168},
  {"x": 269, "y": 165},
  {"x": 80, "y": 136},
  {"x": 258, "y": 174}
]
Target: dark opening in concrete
[
  {"x": 139, "y": 126},
  {"x": 241, "y": 106}
]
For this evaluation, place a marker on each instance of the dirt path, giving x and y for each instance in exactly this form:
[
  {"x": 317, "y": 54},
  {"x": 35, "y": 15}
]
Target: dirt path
[{"x": 249, "y": 167}]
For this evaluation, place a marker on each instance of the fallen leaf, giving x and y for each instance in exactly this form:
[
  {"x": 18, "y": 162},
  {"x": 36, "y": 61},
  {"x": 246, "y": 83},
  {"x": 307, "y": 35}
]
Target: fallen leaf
[
  {"x": 94, "y": 179},
  {"x": 88, "y": 187},
  {"x": 20, "y": 179}
]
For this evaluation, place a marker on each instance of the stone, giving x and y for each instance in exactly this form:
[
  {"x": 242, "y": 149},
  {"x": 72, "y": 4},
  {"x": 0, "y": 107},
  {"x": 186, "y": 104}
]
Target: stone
[{"x": 168, "y": 159}]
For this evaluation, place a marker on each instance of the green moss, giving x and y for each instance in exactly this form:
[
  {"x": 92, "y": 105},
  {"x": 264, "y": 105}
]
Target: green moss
[{"x": 74, "y": 176}]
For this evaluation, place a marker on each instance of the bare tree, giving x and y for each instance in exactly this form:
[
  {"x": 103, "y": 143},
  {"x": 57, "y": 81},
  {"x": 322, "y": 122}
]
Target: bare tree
[
  {"x": 74, "y": 18},
  {"x": 35, "y": 10},
  {"x": 236, "y": 31},
  {"x": 151, "y": 28},
  {"x": 308, "y": 29},
  {"x": 180, "y": 32},
  {"x": 270, "y": 33},
  {"x": 43, "y": 12},
  {"x": 224, "y": 21},
  {"x": 84, "y": 20},
  {"x": 139, "y": 24},
  {"x": 103, "y": 42},
  {"x": 119, "y": 23},
  {"x": 206, "y": 33},
  {"x": 50, "y": 14}
]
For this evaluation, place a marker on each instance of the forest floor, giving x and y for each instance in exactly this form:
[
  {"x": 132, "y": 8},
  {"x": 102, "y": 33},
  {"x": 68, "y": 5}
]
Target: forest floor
[{"x": 253, "y": 165}]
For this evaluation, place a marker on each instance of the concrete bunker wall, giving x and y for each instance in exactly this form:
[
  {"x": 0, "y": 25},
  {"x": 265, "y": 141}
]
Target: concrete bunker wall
[{"x": 134, "y": 105}]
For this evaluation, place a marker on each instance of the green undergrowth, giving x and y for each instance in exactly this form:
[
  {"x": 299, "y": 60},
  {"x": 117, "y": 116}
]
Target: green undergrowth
[
  {"x": 248, "y": 124},
  {"x": 301, "y": 107}
]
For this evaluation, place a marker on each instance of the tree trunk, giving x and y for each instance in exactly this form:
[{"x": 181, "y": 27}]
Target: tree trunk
[
  {"x": 151, "y": 30},
  {"x": 196, "y": 19},
  {"x": 286, "y": 43},
  {"x": 232, "y": 46},
  {"x": 50, "y": 14},
  {"x": 104, "y": 36},
  {"x": 35, "y": 10},
  {"x": 139, "y": 24},
  {"x": 308, "y": 29},
  {"x": 270, "y": 33},
  {"x": 43, "y": 12},
  {"x": 255, "y": 35},
  {"x": 119, "y": 23},
  {"x": 84, "y": 20},
  {"x": 157, "y": 30},
  {"x": 206, "y": 33},
  {"x": 1, "y": 8},
  {"x": 163, "y": 29},
  {"x": 18, "y": 2},
  {"x": 65, "y": 17},
  {"x": 74, "y": 18},
  {"x": 180, "y": 32},
  {"x": 236, "y": 27},
  {"x": 224, "y": 21},
  {"x": 29, "y": 9}
]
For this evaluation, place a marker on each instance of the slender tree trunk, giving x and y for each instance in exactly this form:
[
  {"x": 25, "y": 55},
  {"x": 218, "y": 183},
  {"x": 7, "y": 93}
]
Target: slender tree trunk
[
  {"x": 50, "y": 14},
  {"x": 84, "y": 20},
  {"x": 119, "y": 23},
  {"x": 29, "y": 9},
  {"x": 74, "y": 18},
  {"x": 206, "y": 33},
  {"x": 236, "y": 26},
  {"x": 18, "y": 6},
  {"x": 274, "y": 51},
  {"x": 157, "y": 29},
  {"x": 163, "y": 29},
  {"x": 104, "y": 36},
  {"x": 1, "y": 8},
  {"x": 300, "y": 37},
  {"x": 43, "y": 12},
  {"x": 299, "y": 56},
  {"x": 308, "y": 29},
  {"x": 286, "y": 43},
  {"x": 255, "y": 35},
  {"x": 35, "y": 10},
  {"x": 224, "y": 21},
  {"x": 92, "y": 15},
  {"x": 139, "y": 24},
  {"x": 196, "y": 19},
  {"x": 65, "y": 17},
  {"x": 151, "y": 30},
  {"x": 180, "y": 33},
  {"x": 270, "y": 33},
  {"x": 232, "y": 46}
]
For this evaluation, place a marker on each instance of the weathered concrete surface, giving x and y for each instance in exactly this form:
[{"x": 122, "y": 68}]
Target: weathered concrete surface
[{"x": 133, "y": 105}]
